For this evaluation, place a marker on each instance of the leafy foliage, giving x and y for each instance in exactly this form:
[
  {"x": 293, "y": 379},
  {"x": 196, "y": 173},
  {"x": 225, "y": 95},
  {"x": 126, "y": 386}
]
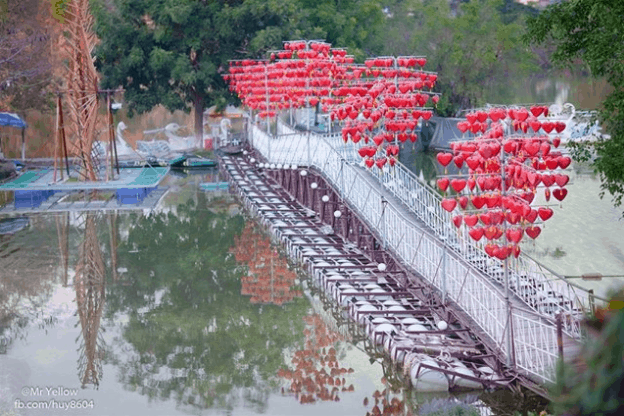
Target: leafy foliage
[
  {"x": 25, "y": 44},
  {"x": 591, "y": 32},
  {"x": 594, "y": 387},
  {"x": 174, "y": 52},
  {"x": 474, "y": 46}
]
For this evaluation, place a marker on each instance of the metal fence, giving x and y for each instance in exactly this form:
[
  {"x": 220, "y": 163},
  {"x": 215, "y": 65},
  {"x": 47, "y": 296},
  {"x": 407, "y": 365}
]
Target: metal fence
[{"x": 445, "y": 262}]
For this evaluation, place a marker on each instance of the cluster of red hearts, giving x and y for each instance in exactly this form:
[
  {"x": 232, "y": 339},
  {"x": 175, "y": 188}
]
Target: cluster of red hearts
[
  {"x": 504, "y": 175},
  {"x": 380, "y": 102},
  {"x": 384, "y": 106},
  {"x": 302, "y": 74}
]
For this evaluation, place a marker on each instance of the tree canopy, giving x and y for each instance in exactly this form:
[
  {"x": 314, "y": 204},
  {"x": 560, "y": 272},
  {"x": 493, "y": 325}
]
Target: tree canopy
[
  {"x": 591, "y": 33},
  {"x": 474, "y": 46},
  {"x": 174, "y": 52}
]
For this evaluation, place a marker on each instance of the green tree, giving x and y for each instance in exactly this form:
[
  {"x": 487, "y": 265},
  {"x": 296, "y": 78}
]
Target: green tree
[
  {"x": 591, "y": 33},
  {"x": 474, "y": 46},
  {"x": 593, "y": 386},
  {"x": 175, "y": 52}
]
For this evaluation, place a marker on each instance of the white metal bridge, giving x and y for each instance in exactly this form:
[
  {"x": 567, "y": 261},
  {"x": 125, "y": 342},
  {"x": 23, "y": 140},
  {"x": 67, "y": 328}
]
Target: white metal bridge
[{"x": 419, "y": 232}]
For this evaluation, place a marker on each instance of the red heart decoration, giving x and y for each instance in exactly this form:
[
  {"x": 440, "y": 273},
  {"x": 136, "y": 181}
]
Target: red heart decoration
[
  {"x": 481, "y": 182},
  {"x": 473, "y": 162},
  {"x": 476, "y": 127},
  {"x": 493, "y": 201},
  {"x": 490, "y": 249},
  {"x": 535, "y": 125},
  {"x": 497, "y": 217},
  {"x": 544, "y": 213},
  {"x": 532, "y": 148},
  {"x": 547, "y": 194},
  {"x": 478, "y": 201},
  {"x": 512, "y": 217},
  {"x": 564, "y": 162},
  {"x": 485, "y": 218},
  {"x": 482, "y": 116},
  {"x": 528, "y": 196},
  {"x": 548, "y": 180},
  {"x": 562, "y": 180},
  {"x": 485, "y": 151},
  {"x": 552, "y": 163},
  {"x": 548, "y": 126},
  {"x": 471, "y": 117},
  {"x": 533, "y": 231},
  {"x": 459, "y": 161},
  {"x": 471, "y": 183},
  {"x": 503, "y": 253},
  {"x": 536, "y": 110},
  {"x": 514, "y": 234},
  {"x": 490, "y": 232},
  {"x": 522, "y": 114},
  {"x": 463, "y": 126},
  {"x": 531, "y": 216},
  {"x": 545, "y": 148},
  {"x": 449, "y": 204},
  {"x": 471, "y": 220},
  {"x": 476, "y": 233},
  {"x": 369, "y": 162},
  {"x": 457, "y": 220},
  {"x": 378, "y": 139},
  {"x": 458, "y": 184},
  {"x": 463, "y": 202},
  {"x": 556, "y": 141},
  {"x": 510, "y": 146},
  {"x": 560, "y": 193},
  {"x": 381, "y": 162},
  {"x": 515, "y": 250},
  {"x": 392, "y": 161},
  {"x": 560, "y": 126}
]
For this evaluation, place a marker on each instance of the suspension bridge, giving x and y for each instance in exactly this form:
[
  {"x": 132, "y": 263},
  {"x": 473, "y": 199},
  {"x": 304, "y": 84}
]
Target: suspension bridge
[{"x": 527, "y": 325}]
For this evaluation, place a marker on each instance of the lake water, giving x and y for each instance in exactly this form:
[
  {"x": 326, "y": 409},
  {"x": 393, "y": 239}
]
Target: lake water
[
  {"x": 585, "y": 234},
  {"x": 188, "y": 309}
]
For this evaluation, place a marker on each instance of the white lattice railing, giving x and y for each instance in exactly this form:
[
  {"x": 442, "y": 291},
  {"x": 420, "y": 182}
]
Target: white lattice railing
[
  {"x": 543, "y": 290},
  {"x": 480, "y": 297}
]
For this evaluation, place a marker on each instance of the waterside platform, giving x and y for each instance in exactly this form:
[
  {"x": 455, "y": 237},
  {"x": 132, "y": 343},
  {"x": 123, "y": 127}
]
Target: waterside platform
[{"x": 43, "y": 180}]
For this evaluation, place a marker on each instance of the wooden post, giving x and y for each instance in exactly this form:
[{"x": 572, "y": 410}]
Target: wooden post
[
  {"x": 63, "y": 138},
  {"x": 23, "y": 144}
]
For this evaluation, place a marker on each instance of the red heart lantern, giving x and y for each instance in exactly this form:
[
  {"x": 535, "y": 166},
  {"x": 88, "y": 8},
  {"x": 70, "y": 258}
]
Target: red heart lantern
[
  {"x": 476, "y": 233},
  {"x": 560, "y": 193},
  {"x": 449, "y": 204},
  {"x": 544, "y": 213},
  {"x": 457, "y": 220},
  {"x": 471, "y": 220},
  {"x": 444, "y": 158},
  {"x": 458, "y": 184},
  {"x": 533, "y": 231}
]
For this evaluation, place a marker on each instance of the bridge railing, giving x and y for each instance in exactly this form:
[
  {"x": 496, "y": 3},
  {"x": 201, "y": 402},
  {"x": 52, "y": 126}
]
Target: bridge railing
[
  {"x": 417, "y": 247},
  {"x": 540, "y": 288}
]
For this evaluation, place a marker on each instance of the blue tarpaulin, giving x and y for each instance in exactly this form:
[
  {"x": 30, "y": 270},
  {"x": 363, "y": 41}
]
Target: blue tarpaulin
[{"x": 12, "y": 119}]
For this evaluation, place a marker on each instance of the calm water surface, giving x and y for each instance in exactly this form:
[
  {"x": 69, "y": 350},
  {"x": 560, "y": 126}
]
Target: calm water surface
[
  {"x": 184, "y": 310},
  {"x": 585, "y": 234}
]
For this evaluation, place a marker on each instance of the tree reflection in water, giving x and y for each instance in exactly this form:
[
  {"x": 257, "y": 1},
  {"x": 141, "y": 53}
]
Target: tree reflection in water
[{"x": 190, "y": 335}]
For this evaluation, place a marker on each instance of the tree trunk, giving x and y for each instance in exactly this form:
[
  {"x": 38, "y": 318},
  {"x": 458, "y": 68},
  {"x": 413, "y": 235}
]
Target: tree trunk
[{"x": 198, "y": 103}]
